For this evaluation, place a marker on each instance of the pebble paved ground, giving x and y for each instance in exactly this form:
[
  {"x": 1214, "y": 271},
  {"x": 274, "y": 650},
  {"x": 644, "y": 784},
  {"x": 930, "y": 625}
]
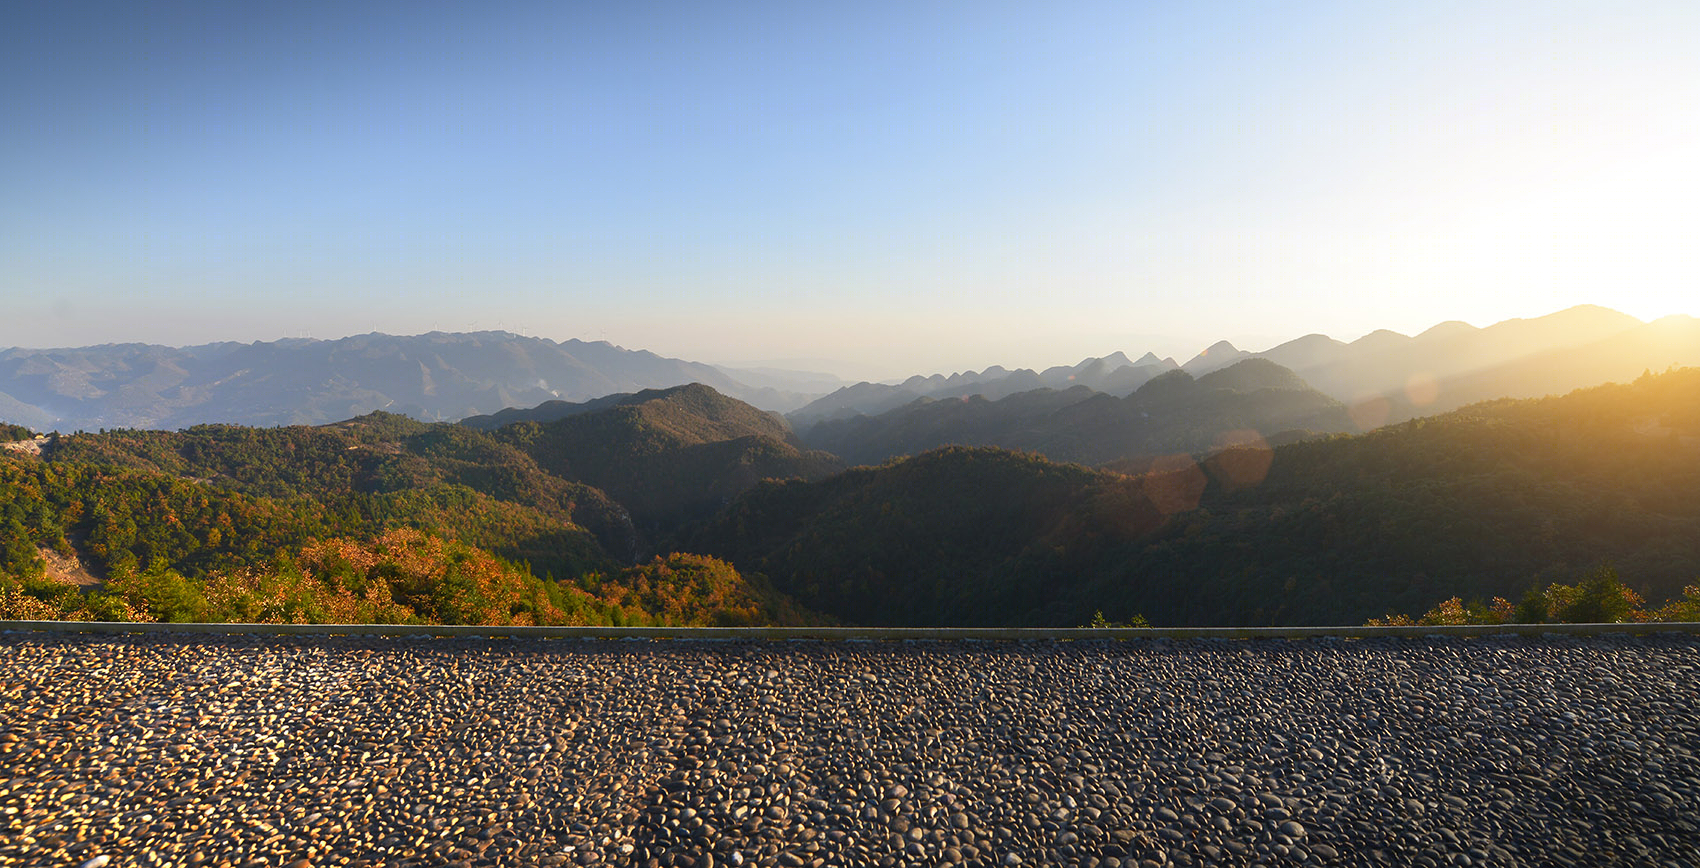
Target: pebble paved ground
[{"x": 247, "y": 752}]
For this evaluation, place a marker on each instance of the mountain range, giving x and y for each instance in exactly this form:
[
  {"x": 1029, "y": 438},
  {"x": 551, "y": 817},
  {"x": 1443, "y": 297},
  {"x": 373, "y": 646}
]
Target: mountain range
[
  {"x": 1386, "y": 376},
  {"x": 431, "y": 377},
  {"x": 1381, "y": 378},
  {"x": 1453, "y": 364},
  {"x": 1114, "y": 375},
  {"x": 1251, "y": 400}
]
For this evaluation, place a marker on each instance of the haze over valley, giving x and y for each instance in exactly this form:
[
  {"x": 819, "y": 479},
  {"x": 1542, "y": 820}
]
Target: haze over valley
[{"x": 1382, "y": 377}]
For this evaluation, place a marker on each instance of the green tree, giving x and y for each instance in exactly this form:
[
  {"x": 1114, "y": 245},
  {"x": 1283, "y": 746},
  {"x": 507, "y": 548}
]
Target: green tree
[{"x": 1599, "y": 598}]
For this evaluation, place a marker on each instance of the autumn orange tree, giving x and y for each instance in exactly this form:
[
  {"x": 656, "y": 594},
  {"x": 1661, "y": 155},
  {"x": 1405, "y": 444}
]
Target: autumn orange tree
[
  {"x": 409, "y": 576},
  {"x": 686, "y": 590}
]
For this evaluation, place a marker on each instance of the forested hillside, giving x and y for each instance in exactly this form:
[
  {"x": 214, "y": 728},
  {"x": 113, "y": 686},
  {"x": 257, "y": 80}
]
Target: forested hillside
[
  {"x": 227, "y": 522},
  {"x": 592, "y": 518},
  {"x": 670, "y": 456},
  {"x": 955, "y": 536},
  {"x": 386, "y": 470},
  {"x": 1490, "y": 500}
]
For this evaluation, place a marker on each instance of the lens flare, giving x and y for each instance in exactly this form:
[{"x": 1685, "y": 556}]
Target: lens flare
[
  {"x": 1175, "y": 484},
  {"x": 1370, "y": 413},
  {"x": 1242, "y": 460},
  {"x": 1422, "y": 389}
]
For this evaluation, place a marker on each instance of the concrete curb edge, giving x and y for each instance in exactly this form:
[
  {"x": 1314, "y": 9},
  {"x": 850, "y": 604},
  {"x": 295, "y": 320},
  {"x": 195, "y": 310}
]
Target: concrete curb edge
[{"x": 1004, "y": 634}]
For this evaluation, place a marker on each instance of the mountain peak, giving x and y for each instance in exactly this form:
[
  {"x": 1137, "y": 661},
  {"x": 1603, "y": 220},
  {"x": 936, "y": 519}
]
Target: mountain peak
[
  {"x": 1218, "y": 355},
  {"x": 1253, "y": 374},
  {"x": 1166, "y": 384},
  {"x": 1589, "y": 318},
  {"x": 1380, "y": 338},
  {"x": 1450, "y": 328}
]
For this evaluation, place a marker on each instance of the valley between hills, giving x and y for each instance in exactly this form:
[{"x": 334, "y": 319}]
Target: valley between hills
[{"x": 1532, "y": 470}]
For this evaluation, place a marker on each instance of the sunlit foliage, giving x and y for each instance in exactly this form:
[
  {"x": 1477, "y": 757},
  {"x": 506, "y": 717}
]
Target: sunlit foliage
[
  {"x": 686, "y": 590},
  {"x": 1597, "y": 598},
  {"x": 385, "y": 518}
]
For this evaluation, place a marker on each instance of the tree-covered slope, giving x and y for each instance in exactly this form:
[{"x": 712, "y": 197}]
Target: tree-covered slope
[
  {"x": 193, "y": 523},
  {"x": 1486, "y": 501},
  {"x": 954, "y": 536},
  {"x": 390, "y": 469},
  {"x": 163, "y": 547},
  {"x": 662, "y": 458},
  {"x": 669, "y": 456}
]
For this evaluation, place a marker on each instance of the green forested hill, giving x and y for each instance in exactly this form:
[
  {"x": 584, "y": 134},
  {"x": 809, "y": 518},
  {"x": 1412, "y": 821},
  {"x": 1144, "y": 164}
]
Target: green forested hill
[
  {"x": 660, "y": 418},
  {"x": 659, "y": 458},
  {"x": 670, "y": 456},
  {"x": 390, "y": 471},
  {"x": 197, "y": 509},
  {"x": 165, "y": 548},
  {"x": 382, "y": 517},
  {"x": 1489, "y": 500},
  {"x": 960, "y": 535}
]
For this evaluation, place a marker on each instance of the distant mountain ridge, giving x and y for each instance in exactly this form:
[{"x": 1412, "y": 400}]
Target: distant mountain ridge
[
  {"x": 1171, "y": 413},
  {"x": 1670, "y": 342},
  {"x": 433, "y": 377},
  {"x": 1387, "y": 376},
  {"x": 1384, "y": 376},
  {"x": 1393, "y": 377},
  {"x": 1114, "y": 375}
]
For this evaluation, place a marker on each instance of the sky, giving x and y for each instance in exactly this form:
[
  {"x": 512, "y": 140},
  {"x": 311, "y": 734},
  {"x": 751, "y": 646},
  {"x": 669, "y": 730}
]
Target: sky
[{"x": 884, "y": 188}]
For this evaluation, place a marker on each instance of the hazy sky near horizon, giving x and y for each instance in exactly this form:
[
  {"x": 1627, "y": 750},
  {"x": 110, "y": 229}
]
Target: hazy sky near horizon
[{"x": 899, "y": 187}]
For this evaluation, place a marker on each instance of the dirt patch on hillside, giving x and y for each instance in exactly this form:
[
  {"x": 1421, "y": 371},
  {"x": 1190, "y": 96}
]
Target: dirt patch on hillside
[
  {"x": 28, "y": 447},
  {"x": 71, "y": 571}
]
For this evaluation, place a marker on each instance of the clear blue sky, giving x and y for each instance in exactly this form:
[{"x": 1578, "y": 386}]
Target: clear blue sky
[{"x": 900, "y": 187}]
